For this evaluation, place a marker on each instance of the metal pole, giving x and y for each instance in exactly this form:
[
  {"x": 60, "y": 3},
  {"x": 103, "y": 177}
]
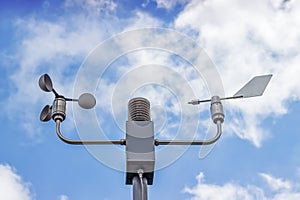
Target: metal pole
[
  {"x": 139, "y": 192},
  {"x": 85, "y": 142},
  {"x": 192, "y": 142}
]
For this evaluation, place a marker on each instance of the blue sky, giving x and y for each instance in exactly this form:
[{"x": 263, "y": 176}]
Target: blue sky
[{"x": 257, "y": 155}]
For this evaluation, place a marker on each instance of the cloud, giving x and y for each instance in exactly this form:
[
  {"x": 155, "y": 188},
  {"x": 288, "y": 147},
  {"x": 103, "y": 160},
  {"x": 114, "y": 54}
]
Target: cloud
[
  {"x": 169, "y": 4},
  {"x": 94, "y": 7},
  {"x": 58, "y": 47},
  {"x": 46, "y": 47},
  {"x": 276, "y": 183},
  {"x": 174, "y": 77},
  {"x": 204, "y": 191},
  {"x": 252, "y": 42},
  {"x": 156, "y": 74},
  {"x": 165, "y": 4},
  {"x": 63, "y": 197},
  {"x": 12, "y": 187},
  {"x": 244, "y": 41}
]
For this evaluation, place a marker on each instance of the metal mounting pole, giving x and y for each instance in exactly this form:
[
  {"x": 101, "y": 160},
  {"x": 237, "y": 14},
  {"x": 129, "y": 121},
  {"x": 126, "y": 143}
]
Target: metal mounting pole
[{"x": 139, "y": 191}]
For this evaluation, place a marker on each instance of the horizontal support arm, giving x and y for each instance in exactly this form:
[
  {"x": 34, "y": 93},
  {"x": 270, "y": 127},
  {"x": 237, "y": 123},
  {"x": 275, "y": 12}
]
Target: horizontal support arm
[
  {"x": 192, "y": 142},
  {"x": 85, "y": 142},
  {"x": 196, "y": 102}
]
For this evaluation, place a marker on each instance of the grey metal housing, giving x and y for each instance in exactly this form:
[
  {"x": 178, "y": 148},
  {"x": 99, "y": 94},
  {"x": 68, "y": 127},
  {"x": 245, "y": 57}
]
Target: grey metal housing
[{"x": 140, "y": 152}]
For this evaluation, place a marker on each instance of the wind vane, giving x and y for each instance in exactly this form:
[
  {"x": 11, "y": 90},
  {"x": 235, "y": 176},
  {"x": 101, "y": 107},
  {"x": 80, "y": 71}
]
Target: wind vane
[{"x": 255, "y": 87}]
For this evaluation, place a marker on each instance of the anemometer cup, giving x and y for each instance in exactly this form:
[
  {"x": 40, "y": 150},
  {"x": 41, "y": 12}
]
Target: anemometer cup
[
  {"x": 45, "y": 83},
  {"x": 59, "y": 109},
  {"x": 46, "y": 113}
]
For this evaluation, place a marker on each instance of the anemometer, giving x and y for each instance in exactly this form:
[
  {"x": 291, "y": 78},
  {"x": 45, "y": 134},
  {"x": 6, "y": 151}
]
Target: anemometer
[{"x": 140, "y": 142}]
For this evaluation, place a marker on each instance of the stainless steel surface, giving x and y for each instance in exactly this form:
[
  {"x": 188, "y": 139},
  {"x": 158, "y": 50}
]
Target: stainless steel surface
[
  {"x": 196, "y": 102},
  {"x": 139, "y": 191},
  {"x": 192, "y": 142},
  {"x": 59, "y": 109},
  {"x": 216, "y": 110},
  {"x": 85, "y": 142}
]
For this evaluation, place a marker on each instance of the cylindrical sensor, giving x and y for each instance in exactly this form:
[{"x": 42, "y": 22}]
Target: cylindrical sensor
[
  {"x": 59, "y": 109},
  {"x": 139, "y": 109},
  {"x": 216, "y": 110}
]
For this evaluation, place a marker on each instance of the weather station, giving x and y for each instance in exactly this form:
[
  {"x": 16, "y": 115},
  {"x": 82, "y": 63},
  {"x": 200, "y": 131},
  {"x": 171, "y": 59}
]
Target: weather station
[{"x": 140, "y": 142}]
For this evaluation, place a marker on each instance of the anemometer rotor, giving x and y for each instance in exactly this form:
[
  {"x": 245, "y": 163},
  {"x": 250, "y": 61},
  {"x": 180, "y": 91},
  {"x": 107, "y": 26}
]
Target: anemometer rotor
[{"x": 58, "y": 108}]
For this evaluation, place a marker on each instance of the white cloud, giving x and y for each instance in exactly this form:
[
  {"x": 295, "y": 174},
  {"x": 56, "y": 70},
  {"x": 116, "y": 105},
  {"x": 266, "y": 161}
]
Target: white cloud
[
  {"x": 63, "y": 197},
  {"x": 52, "y": 48},
  {"x": 252, "y": 42},
  {"x": 169, "y": 4},
  {"x": 231, "y": 191},
  {"x": 92, "y": 7},
  {"x": 248, "y": 38},
  {"x": 12, "y": 187},
  {"x": 141, "y": 20},
  {"x": 276, "y": 183},
  {"x": 234, "y": 191},
  {"x": 55, "y": 47}
]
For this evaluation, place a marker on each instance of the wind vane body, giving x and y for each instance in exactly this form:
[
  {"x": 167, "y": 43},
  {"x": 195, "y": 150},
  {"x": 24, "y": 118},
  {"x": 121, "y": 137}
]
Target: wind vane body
[
  {"x": 140, "y": 142},
  {"x": 255, "y": 87}
]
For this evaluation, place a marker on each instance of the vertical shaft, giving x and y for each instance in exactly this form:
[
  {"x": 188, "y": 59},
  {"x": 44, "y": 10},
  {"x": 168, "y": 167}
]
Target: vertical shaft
[{"x": 138, "y": 193}]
